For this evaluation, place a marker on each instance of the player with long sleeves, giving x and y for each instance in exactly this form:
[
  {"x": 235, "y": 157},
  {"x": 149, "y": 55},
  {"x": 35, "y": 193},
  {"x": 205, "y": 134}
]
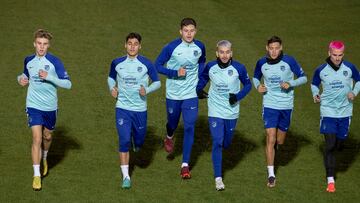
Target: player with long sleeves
[
  {"x": 225, "y": 76},
  {"x": 278, "y": 70},
  {"x": 128, "y": 82},
  {"x": 43, "y": 72},
  {"x": 181, "y": 61},
  {"x": 337, "y": 78}
]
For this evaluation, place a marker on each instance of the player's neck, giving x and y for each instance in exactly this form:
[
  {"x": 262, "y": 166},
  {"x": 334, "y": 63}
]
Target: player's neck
[{"x": 132, "y": 57}]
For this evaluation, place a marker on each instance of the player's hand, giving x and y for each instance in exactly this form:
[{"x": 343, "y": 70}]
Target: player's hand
[
  {"x": 114, "y": 92},
  {"x": 142, "y": 91},
  {"x": 43, "y": 74},
  {"x": 351, "y": 96},
  {"x": 262, "y": 88},
  {"x": 232, "y": 99},
  {"x": 317, "y": 99},
  {"x": 23, "y": 81},
  {"x": 181, "y": 72},
  {"x": 285, "y": 85},
  {"x": 202, "y": 94}
]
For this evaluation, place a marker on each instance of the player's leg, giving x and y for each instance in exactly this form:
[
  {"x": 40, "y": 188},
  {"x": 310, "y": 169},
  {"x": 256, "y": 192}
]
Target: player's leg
[
  {"x": 189, "y": 109},
  {"x": 35, "y": 121},
  {"x": 139, "y": 129},
  {"x": 216, "y": 126},
  {"x": 49, "y": 126},
  {"x": 271, "y": 120},
  {"x": 328, "y": 127},
  {"x": 173, "y": 110},
  {"x": 283, "y": 126},
  {"x": 123, "y": 126},
  {"x": 230, "y": 125}
]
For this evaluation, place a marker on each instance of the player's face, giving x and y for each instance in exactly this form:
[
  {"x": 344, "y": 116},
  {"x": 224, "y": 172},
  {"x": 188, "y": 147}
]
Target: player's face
[
  {"x": 188, "y": 33},
  {"x": 41, "y": 46},
  {"x": 224, "y": 53},
  {"x": 132, "y": 47},
  {"x": 336, "y": 56},
  {"x": 274, "y": 49}
]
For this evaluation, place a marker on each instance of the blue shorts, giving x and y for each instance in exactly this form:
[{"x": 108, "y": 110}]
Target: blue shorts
[
  {"x": 222, "y": 131},
  {"x": 44, "y": 118},
  {"x": 274, "y": 118},
  {"x": 338, "y": 126},
  {"x": 130, "y": 125}
]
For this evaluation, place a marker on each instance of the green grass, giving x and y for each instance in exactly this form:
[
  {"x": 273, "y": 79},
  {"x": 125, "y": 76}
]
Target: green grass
[{"x": 83, "y": 158}]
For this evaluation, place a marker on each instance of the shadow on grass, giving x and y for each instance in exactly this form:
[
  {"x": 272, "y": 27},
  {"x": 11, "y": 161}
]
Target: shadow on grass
[
  {"x": 290, "y": 149},
  {"x": 240, "y": 146},
  {"x": 62, "y": 143},
  {"x": 347, "y": 156},
  {"x": 145, "y": 156}
]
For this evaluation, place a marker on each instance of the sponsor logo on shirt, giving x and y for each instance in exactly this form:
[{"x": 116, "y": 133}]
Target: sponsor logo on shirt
[{"x": 336, "y": 84}]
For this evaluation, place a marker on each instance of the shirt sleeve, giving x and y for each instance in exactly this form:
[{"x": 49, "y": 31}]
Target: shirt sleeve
[
  {"x": 62, "y": 79},
  {"x": 299, "y": 72},
  {"x": 257, "y": 74},
  {"x": 163, "y": 58},
  {"x": 316, "y": 81},
  {"x": 245, "y": 80},
  {"x": 203, "y": 78},
  {"x": 156, "y": 84}
]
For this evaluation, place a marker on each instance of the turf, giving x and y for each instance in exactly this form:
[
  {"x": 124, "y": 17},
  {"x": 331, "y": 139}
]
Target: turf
[{"x": 83, "y": 159}]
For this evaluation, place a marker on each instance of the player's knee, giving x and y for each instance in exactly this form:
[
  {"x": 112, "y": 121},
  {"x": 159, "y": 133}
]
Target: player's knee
[{"x": 47, "y": 135}]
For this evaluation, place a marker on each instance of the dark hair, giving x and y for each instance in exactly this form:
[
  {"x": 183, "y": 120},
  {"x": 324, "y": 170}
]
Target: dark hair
[
  {"x": 186, "y": 22},
  {"x": 41, "y": 33},
  {"x": 274, "y": 39},
  {"x": 133, "y": 35}
]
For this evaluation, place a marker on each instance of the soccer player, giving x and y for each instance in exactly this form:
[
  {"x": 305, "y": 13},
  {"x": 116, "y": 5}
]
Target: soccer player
[
  {"x": 225, "y": 76},
  {"x": 278, "y": 70},
  {"x": 43, "y": 72},
  {"x": 129, "y": 83},
  {"x": 184, "y": 59},
  {"x": 336, "y": 77}
]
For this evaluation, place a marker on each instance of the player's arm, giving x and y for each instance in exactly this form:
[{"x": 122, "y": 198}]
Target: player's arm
[
  {"x": 162, "y": 59},
  {"x": 155, "y": 84},
  {"x": 300, "y": 74},
  {"x": 23, "y": 79},
  {"x": 315, "y": 90},
  {"x": 203, "y": 80},
  {"x": 62, "y": 79},
  {"x": 356, "y": 77},
  {"x": 112, "y": 80},
  {"x": 261, "y": 88},
  {"x": 245, "y": 80}
]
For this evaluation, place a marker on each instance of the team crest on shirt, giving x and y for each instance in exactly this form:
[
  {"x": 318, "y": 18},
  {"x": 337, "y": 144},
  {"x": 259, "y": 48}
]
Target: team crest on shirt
[
  {"x": 47, "y": 67},
  {"x": 139, "y": 69},
  {"x": 345, "y": 73},
  {"x": 213, "y": 124},
  {"x": 282, "y": 68},
  {"x": 196, "y": 53},
  {"x": 230, "y": 72},
  {"x": 121, "y": 121}
]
